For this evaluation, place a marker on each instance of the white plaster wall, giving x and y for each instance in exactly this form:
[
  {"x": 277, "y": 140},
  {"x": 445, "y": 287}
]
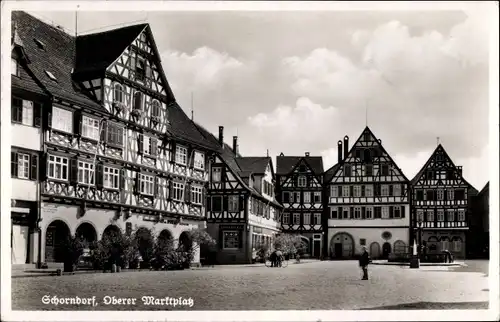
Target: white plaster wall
[
  {"x": 371, "y": 235},
  {"x": 25, "y": 136},
  {"x": 263, "y": 222},
  {"x": 24, "y": 189}
]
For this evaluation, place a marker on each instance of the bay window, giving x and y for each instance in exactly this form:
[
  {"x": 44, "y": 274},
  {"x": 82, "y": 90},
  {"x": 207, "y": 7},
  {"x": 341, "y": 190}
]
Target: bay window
[
  {"x": 58, "y": 167},
  {"x": 199, "y": 160},
  {"x": 115, "y": 134},
  {"x": 85, "y": 173},
  {"x": 181, "y": 155},
  {"x": 62, "y": 119},
  {"x": 90, "y": 128}
]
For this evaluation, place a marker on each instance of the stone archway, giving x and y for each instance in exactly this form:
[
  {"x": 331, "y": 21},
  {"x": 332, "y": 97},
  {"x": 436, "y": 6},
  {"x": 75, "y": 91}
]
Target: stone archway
[
  {"x": 307, "y": 246},
  {"x": 165, "y": 239},
  {"x": 55, "y": 237},
  {"x": 111, "y": 231},
  {"x": 375, "y": 250},
  {"x": 145, "y": 244},
  {"x": 87, "y": 232},
  {"x": 185, "y": 242},
  {"x": 342, "y": 246},
  {"x": 386, "y": 250}
]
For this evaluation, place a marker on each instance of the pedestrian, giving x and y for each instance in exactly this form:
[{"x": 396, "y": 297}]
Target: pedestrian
[
  {"x": 254, "y": 256},
  {"x": 364, "y": 260},
  {"x": 279, "y": 258},
  {"x": 272, "y": 258}
]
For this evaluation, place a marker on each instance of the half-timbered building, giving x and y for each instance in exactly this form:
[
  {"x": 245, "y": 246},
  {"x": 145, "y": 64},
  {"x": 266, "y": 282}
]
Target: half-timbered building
[
  {"x": 478, "y": 235},
  {"x": 119, "y": 153},
  {"x": 441, "y": 205},
  {"x": 242, "y": 211},
  {"x": 299, "y": 189},
  {"x": 27, "y": 101},
  {"x": 368, "y": 200}
]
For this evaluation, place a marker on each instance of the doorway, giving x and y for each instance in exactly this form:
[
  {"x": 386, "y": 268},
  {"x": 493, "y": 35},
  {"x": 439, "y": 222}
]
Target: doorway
[
  {"x": 317, "y": 248},
  {"x": 386, "y": 250}
]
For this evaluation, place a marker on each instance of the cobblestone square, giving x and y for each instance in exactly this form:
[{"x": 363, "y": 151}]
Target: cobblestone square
[{"x": 329, "y": 285}]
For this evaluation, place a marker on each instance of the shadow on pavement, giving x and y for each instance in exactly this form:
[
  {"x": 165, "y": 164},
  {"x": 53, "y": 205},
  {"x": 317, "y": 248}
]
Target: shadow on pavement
[{"x": 434, "y": 306}]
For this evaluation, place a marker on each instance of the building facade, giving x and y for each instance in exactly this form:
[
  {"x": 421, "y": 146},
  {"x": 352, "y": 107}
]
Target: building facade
[
  {"x": 119, "y": 154},
  {"x": 299, "y": 189},
  {"x": 368, "y": 201},
  {"x": 441, "y": 203},
  {"x": 478, "y": 237},
  {"x": 242, "y": 211}
]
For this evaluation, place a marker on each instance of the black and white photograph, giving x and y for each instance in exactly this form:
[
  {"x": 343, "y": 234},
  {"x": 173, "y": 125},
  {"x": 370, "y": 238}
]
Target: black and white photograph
[{"x": 249, "y": 161}]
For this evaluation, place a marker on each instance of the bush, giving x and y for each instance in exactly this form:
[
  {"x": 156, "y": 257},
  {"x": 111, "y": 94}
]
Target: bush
[
  {"x": 290, "y": 244},
  {"x": 114, "y": 248},
  {"x": 73, "y": 249},
  {"x": 144, "y": 241}
]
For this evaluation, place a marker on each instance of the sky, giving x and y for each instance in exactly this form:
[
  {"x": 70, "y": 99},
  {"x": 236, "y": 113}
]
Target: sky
[{"x": 295, "y": 82}]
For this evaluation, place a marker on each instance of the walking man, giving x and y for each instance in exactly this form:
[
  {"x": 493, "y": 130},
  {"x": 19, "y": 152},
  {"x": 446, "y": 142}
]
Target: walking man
[{"x": 364, "y": 260}]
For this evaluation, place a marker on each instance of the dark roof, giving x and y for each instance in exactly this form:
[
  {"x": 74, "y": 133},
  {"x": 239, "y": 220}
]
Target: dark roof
[
  {"x": 330, "y": 173},
  {"x": 285, "y": 164},
  {"x": 56, "y": 57},
  {"x": 95, "y": 52},
  {"x": 486, "y": 188},
  {"x": 256, "y": 165}
]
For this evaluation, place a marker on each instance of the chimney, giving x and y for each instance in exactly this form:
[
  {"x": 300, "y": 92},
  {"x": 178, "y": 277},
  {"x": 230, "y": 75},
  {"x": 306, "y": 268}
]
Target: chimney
[
  {"x": 307, "y": 154},
  {"x": 221, "y": 136},
  {"x": 235, "y": 144},
  {"x": 346, "y": 146},
  {"x": 339, "y": 151}
]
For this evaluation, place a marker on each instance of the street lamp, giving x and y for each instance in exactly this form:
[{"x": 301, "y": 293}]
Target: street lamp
[
  {"x": 419, "y": 228},
  {"x": 415, "y": 258}
]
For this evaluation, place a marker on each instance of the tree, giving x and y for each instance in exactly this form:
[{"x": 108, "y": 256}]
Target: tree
[
  {"x": 73, "y": 249},
  {"x": 289, "y": 244},
  {"x": 192, "y": 240}
]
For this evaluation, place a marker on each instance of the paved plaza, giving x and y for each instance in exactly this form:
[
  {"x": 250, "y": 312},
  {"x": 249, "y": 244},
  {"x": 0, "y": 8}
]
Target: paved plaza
[{"x": 329, "y": 285}]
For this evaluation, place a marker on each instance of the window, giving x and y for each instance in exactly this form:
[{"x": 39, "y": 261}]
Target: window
[
  {"x": 345, "y": 212},
  {"x": 429, "y": 195},
  {"x": 357, "y": 191},
  {"x": 369, "y": 191},
  {"x": 384, "y": 190},
  {"x": 460, "y": 194},
  {"x": 286, "y": 196},
  {"x": 345, "y": 191},
  {"x": 58, "y": 167},
  {"x": 307, "y": 197},
  {"x": 23, "y": 166},
  {"x": 440, "y": 194},
  {"x": 445, "y": 244},
  {"x": 147, "y": 184},
  {"x": 420, "y": 215},
  {"x": 216, "y": 174},
  {"x": 441, "y": 175},
  {"x": 357, "y": 212},
  {"x": 155, "y": 112},
  {"x": 334, "y": 191},
  {"x": 140, "y": 70},
  {"x": 440, "y": 215},
  {"x": 451, "y": 214},
  {"x": 138, "y": 101},
  {"x": 385, "y": 212},
  {"x": 196, "y": 194},
  {"x": 420, "y": 195},
  {"x": 90, "y": 128},
  {"x": 27, "y": 113},
  {"x": 317, "y": 219},
  {"x": 286, "y": 218},
  {"x": 115, "y": 134},
  {"x": 111, "y": 178},
  {"x": 347, "y": 170},
  {"x": 430, "y": 215},
  {"x": 22, "y": 111},
  {"x": 397, "y": 190},
  {"x": 302, "y": 181},
  {"x": 307, "y": 219},
  {"x": 233, "y": 203},
  {"x": 457, "y": 245},
  {"x": 399, "y": 247},
  {"x": 397, "y": 211},
  {"x": 118, "y": 93},
  {"x": 368, "y": 170},
  {"x": 181, "y": 155},
  {"x": 296, "y": 219},
  {"x": 15, "y": 70},
  {"x": 217, "y": 203},
  {"x": 317, "y": 196},
  {"x": 296, "y": 196},
  {"x": 385, "y": 170},
  {"x": 334, "y": 213},
  {"x": 62, "y": 119},
  {"x": 199, "y": 160},
  {"x": 369, "y": 213},
  {"x": 85, "y": 173},
  {"x": 178, "y": 191},
  {"x": 451, "y": 194},
  {"x": 461, "y": 215},
  {"x": 231, "y": 239},
  {"x": 362, "y": 241},
  {"x": 51, "y": 76}
]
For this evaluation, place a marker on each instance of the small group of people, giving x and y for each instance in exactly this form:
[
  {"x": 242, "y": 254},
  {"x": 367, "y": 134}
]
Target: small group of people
[{"x": 276, "y": 258}]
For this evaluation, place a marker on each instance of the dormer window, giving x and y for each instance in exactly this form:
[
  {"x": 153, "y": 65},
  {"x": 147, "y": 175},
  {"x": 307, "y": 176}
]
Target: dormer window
[
  {"x": 51, "y": 76},
  {"x": 138, "y": 101},
  {"x": 15, "y": 70},
  {"x": 118, "y": 93},
  {"x": 40, "y": 44}
]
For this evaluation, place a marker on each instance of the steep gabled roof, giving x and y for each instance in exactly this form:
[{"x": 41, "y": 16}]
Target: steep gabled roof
[
  {"x": 439, "y": 148},
  {"x": 285, "y": 164},
  {"x": 51, "y": 50},
  {"x": 328, "y": 175},
  {"x": 486, "y": 189},
  {"x": 256, "y": 165}
]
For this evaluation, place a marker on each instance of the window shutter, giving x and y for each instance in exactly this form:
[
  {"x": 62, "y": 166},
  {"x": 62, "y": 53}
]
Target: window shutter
[
  {"x": 225, "y": 205},
  {"x": 136, "y": 183},
  {"x": 221, "y": 238},
  {"x": 242, "y": 202},
  {"x": 391, "y": 190},
  {"x": 187, "y": 193},
  {"x": 156, "y": 186},
  {"x": 391, "y": 211},
  {"x": 49, "y": 120},
  {"x": 363, "y": 212},
  {"x": 295, "y": 181},
  {"x": 190, "y": 156},
  {"x": 77, "y": 122},
  {"x": 13, "y": 164},
  {"x": 403, "y": 211},
  {"x": 362, "y": 191},
  {"x": 339, "y": 191},
  {"x": 123, "y": 173},
  {"x": 73, "y": 166},
  {"x": 154, "y": 147},
  {"x": 132, "y": 59},
  {"x": 172, "y": 151},
  {"x": 43, "y": 167},
  {"x": 37, "y": 115},
  {"x": 140, "y": 143},
  {"x": 203, "y": 197},
  {"x": 240, "y": 239},
  {"x": 351, "y": 191},
  {"x": 209, "y": 202},
  {"x": 103, "y": 131},
  {"x": 445, "y": 194},
  {"x": 351, "y": 212},
  {"x": 99, "y": 176},
  {"x": 378, "y": 212},
  {"x": 34, "y": 167},
  {"x": 170, "y": 189}
]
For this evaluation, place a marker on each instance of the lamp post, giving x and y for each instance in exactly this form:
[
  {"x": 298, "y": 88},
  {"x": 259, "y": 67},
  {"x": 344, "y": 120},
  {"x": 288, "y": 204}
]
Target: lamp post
[
  {"x": 415, "y": 257},
  {"x": 419, "y": 228}
]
